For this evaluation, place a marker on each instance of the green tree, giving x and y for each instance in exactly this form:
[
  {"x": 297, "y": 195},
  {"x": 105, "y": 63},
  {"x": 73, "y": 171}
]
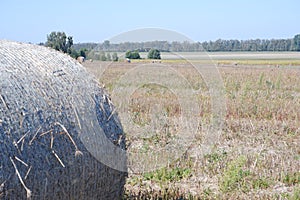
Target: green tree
[
  {"x": 108, "y": 56},
  {"x": 128, "y": 54},
  {"x": 106, "y": 44},
  {"x": 102, "y": 56},
  {"x": 82, "y": 52},
  {"x": 132, "y": 55},
  {"x": 296, "y": 42},
  {"x": 154, "y": 54},
  {"x": 73, "y": 53},
  {"x": 60, "y": 42},
  {"x": 69, "y": 44},
  {"x": 115, "y": 57}
]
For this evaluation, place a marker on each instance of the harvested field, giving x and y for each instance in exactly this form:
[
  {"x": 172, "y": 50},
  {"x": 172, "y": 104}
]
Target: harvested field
[{"x": 258, "y": 153}]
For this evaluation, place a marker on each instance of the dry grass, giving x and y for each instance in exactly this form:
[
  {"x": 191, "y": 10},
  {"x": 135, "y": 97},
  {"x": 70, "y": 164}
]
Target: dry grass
[{"x": 258, "y": 155}]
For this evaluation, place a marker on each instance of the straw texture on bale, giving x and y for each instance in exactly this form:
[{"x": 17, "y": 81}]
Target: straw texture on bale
[{"x": 43, "y": 96}]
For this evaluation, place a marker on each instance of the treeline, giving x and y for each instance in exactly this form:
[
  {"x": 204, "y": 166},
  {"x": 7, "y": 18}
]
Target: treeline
[
  {"x": 292, "y": 44},
  {"x": 250, "y": 45}
]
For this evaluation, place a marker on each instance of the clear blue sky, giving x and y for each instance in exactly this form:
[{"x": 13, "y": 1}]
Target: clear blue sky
[{"x": 96, "y": 21}]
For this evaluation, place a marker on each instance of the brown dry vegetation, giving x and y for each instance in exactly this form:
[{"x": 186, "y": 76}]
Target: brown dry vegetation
[{"x": 258, "y": 154}]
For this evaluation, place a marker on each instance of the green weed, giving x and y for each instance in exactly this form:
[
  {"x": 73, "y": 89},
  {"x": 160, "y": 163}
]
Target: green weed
[
  {"x": 234, "y": 176},
  {"x": 295, "y": 195},
  {"x": 237, "y": 178},
  {"x": 291, "y": 178},
  {"x": 168, "y": 175}
]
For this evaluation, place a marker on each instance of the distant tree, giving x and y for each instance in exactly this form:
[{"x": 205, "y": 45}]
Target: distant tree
[
  {"x": 60, "y": 42},
  {"x": 73, "y": 53},
  {"x": 102, "y": 56},
  {"x": 296, "y": 42},
  {"x": 69, "y": 44},
  {"x": 128, "y": 54},
  {"x": 154, "y": 54},
  {"x": 88, "y": 46},
  {"x": 106, "y": 44},
  {"x": 132, "y": 55},
  {"x": 108, "y": 56},
  {"x": 115, "y": 57},
  {"x": 290, "y": 44},
  {"x": 82, "y": 52}
]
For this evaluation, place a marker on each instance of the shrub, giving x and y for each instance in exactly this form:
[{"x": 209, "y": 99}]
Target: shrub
[
  {"x": 154, "y": 54},
  {"x": 132, "y": 55},
  {"x": 115, "y": 57}
]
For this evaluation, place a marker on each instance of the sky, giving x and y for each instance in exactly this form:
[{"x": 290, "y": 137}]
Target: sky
[{"x": 199, "y": 20}]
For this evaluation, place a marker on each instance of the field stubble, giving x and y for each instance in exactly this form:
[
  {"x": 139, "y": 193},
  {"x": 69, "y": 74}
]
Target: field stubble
[{"x": 258, "y": 154}]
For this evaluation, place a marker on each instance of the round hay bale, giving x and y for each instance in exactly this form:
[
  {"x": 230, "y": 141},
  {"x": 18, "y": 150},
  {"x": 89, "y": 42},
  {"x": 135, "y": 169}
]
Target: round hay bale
[{"x": 47, "y": 101}]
